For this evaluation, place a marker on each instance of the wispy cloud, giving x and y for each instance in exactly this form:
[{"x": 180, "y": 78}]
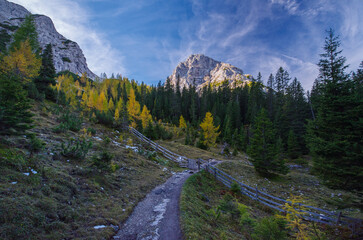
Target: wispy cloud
[
  {"x": 290, "y": 5},
  {"x": 73, "y": 21}
]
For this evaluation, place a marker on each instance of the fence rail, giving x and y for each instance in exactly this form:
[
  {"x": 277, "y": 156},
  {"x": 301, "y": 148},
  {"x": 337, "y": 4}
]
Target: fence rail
[{"x": 311, "y": 213}]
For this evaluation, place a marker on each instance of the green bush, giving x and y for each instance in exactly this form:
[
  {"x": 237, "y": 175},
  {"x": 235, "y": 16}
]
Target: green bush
[
  {"x": 68, "y": 122},
  {"x": 35, "y": 144},
  {"x": 91, "y": 131},
  {"x": 235, "y": 188},
  {"x": 103, "y": 161},
  {"x": 76, "y": 148},
  {"x": 105, "y": 118},
  {"x": 269, "y": 228}
]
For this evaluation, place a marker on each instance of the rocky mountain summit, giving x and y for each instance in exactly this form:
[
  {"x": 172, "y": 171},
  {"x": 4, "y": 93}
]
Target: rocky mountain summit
[
  {"x": 199, "y": 70},
  {"x": 67, "y": 55}
]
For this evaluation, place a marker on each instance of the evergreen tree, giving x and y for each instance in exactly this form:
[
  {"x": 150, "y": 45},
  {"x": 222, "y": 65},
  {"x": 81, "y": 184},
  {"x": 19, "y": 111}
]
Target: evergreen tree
[
  {"x": 335, "y": 137},
  {"x": 293, "y": 149},
  {"x": 26, "y": 32},
  {"x": 14, "y": 105},
  {"x": 46, "y": 74},
  {"x": 263, "y": 149}
]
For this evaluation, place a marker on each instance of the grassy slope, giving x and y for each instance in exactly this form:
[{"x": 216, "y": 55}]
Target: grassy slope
[
  {"x": 198, "y": 224},
  {"x": 66, "y": 198},
  {"x": 299, "y": 181}
]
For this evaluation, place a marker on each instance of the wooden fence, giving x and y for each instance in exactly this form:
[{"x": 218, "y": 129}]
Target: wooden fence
[{"x": 310, "y": 213}]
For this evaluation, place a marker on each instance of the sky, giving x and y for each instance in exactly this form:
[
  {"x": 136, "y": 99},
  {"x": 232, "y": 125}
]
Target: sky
[{"x": 146, "y": 39}]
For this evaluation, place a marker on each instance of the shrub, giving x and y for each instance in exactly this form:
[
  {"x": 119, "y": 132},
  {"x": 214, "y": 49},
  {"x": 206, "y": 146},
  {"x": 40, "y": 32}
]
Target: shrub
[
  {"x": 103, "y": 161},
  {"x": 76, "y": 148},
  {"x": 91, "y": 131},
  {"x": 35, "y": 144},
  {"x": 269, "y": 228},
  {"x": 105, "y": 118},
  {"x": 68, "y": 122},
  {"x": 235, "y": 188}
]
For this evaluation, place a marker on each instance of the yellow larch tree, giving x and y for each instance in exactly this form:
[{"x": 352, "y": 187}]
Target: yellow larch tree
[
  {"x": 23, "y": 62},
  {"x": 117, "y": 115},
  {"x": 182, "y": 123},
  {"x": 210, "y": 132},
  {"x": 100, "y": 102},
  {"x": 111, "y": 105},
  {"x": 146, "y": 117},
  {"x": 133, "y": 108}
]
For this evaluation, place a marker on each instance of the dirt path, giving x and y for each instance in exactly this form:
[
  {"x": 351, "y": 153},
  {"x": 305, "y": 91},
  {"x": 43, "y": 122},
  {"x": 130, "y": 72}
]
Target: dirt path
[{"x": 157, "y": 216}]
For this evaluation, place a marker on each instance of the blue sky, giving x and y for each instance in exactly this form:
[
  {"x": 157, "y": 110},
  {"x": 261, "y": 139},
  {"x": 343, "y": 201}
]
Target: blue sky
[{"x": 146, "y": 39}]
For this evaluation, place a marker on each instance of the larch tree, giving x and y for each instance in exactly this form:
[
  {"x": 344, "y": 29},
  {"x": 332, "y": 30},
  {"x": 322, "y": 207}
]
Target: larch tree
[
  {"x": 22, "y": 62},
  {"x": 133, "y": 108},
  {"x": 145, "y": 117},
  {"x": 210, "y": 132},
  {"x": 182, "y": 123}
]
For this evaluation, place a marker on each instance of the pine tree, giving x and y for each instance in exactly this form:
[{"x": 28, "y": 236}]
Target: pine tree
[
  {"x": 335, "y": 137},
  {"x": 263, "y": 149},
  {"x": 210, "y": 132}
]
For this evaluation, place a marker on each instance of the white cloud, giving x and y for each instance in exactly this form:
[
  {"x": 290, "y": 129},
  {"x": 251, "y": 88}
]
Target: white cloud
[
  {"x": 291, "y": 6},
  {"x": 73, "y": 21}
]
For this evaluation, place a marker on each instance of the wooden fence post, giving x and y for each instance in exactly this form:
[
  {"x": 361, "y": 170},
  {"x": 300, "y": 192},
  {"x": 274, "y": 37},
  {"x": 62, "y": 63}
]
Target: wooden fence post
[
  {"x": 215, "y": 173},
  {"x": 256, "y": 192},
  {"x": 339, "y": 216}
]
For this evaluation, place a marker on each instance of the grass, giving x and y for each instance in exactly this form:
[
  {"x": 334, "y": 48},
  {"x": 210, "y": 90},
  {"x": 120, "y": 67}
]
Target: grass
[
  {"x": 298, "y": 182},
  {"x": 209, "y": 210},
  {"x": 45, "y": 195}
]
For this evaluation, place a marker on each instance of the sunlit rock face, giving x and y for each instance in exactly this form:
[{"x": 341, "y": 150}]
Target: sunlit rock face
[
  {"x": 199, "y": 71},
  {"x": 67, "y": 55}
]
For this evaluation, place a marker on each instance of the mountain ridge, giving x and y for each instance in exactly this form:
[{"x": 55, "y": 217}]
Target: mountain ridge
[{"x": 67, "y": 55}]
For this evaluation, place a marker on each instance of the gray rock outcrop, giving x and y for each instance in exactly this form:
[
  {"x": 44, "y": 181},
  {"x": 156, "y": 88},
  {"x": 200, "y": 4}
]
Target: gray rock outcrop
[
  {"x": 67, "y": 55},
  {"x": 199, "y": 71}
]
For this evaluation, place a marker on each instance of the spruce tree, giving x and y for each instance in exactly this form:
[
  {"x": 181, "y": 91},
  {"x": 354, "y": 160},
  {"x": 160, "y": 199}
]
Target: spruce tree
[
  {"x": 15, "y": 117},
  {"x": 264, "y": 150},
  {"x": 46, "y": 74},
  {"x": 335, "y": 137}
]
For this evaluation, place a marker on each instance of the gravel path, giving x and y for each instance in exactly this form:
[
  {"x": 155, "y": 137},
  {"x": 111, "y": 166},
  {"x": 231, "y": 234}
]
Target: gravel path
[{"x": 157, "y": 216}]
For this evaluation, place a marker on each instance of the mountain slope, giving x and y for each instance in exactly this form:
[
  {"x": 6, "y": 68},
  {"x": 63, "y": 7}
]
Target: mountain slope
[
  {"x": 199, "y": 70},
  {"x": 67, "y": 55}
]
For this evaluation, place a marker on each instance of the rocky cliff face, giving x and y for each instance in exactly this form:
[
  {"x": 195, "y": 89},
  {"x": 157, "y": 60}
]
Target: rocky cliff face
[
  {"x": 67, "y": 55},
  {"x": 199, "y": 70}
]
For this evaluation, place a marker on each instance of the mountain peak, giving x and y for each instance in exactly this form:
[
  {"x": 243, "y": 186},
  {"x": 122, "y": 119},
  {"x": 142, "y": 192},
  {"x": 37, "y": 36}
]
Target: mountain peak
[{"x": 199, "y": 70}]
